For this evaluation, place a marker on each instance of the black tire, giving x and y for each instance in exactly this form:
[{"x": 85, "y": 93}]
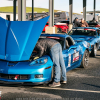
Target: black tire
[
  {"x": 59, "y": 30},
  {"x": 97, "y": 47},
  {"x": 85, "y": 60},
  {"x": 94, "y": 51}
]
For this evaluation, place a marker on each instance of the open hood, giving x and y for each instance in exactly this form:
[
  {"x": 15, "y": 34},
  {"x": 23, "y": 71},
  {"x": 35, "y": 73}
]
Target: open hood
[{"x": 18, "y": 38}]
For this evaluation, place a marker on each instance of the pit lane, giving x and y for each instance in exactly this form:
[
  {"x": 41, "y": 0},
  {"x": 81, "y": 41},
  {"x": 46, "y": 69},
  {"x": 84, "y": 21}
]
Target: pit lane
[{"x": 83, "y": 84}]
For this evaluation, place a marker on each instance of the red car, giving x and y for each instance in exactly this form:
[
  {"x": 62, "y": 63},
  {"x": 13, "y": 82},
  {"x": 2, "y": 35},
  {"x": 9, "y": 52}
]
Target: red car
[{"x": 60, "y": 28}]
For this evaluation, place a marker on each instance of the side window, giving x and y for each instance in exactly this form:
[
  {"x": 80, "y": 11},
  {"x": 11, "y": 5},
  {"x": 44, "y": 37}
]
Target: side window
[
  {"x": 98, "y": 31},
  {"x": 68, "y": 42}
]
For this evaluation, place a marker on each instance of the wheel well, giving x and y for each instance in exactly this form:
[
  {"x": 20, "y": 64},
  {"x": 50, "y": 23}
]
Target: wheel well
[
  {"x": 87, "y": 49},
  {"x": 97, "y": 44}
]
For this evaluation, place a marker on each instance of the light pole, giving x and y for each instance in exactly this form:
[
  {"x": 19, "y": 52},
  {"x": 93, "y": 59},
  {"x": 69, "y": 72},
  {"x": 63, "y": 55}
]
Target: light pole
[
  {"x": 51, "y": 13},
  {"x": 84, "y": 9},
  {"x": 70, "y": 13},
  {"x": 32, "y": 10},
  {"x": 94, "y": 8},
  {"x": 14, "y": 9},
  {"x": 21, "y": 10}
]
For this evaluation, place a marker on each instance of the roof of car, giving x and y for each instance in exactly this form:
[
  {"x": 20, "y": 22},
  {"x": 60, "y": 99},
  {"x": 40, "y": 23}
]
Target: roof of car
[
  {"x": 56, "y": 35},
  {"x": 86, "y": 28}
]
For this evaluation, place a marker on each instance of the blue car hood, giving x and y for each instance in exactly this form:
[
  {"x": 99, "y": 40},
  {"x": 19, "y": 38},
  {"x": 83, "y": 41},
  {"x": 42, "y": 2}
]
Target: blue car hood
[
  {"x": 18, "y": 38},
  {"x": 82, "y": 37}
]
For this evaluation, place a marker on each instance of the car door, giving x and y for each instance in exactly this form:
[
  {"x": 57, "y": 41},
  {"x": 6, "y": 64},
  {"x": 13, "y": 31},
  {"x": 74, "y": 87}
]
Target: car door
[
  {"x": 67, "y": 55},
  {"x": 71, "y": 56},
  {"x": 75, "y": 56}
]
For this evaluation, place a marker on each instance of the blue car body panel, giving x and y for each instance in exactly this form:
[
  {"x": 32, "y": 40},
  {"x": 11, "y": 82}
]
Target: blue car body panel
[
  {"x": 3, "y": 31},
  {"x": 17, "y": 41},
  {"x": 90, "y": 39},
  {"x": 27, "y": 71},
  {"x": 26, "y": 67}
]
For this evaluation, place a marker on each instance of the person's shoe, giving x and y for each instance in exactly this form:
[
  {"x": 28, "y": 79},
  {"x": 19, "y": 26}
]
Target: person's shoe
[
  {"x": 64, "y": 82},
  {"x": 54, "y": 84}
]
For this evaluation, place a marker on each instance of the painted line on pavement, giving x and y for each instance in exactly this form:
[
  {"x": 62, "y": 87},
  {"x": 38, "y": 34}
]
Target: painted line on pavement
[{"x": 77, "y": 90}]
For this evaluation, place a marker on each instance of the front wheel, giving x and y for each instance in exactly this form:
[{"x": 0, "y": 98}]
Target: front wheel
[{"x": 85, "y": 60}]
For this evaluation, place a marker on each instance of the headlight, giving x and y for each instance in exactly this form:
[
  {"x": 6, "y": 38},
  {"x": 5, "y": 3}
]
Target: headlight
[
  {"x": 39, "y": 61},
  {"x": 88, "y": 44}
]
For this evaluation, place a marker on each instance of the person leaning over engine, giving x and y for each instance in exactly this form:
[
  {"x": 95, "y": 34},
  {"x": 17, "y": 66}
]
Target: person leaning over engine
[{"x": 54, "y": 49}]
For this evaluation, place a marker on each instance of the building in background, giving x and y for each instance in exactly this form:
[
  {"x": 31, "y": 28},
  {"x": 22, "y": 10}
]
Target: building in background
[
  {"x": 58, "y": 16},
  {"x": 8, "y": 16}
]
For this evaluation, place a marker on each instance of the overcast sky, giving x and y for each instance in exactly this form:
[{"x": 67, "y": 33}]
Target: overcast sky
[{"x": 58, "y": 4}]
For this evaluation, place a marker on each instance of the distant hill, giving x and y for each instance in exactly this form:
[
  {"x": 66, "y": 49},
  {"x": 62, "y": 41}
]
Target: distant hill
[{"x": 28, "y": 9}]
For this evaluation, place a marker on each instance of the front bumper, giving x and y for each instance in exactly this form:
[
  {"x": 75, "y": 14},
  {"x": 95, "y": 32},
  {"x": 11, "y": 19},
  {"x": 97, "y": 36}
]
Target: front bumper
[
  {"x": 23, "y": 69},
  {"x": 23, "y": 83}
]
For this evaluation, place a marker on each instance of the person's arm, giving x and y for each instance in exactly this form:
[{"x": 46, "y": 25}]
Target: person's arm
[
  {"x": 83, "y": 25},
  {"x": 86, "y": 24},
  {"x": 40, "y": 50}
]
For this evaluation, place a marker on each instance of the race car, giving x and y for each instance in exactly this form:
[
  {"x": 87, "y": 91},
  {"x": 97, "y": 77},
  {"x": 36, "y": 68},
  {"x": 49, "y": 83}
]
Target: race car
[
  {"x": 63, "y": 22},
  {"x": 93, "y": 24},
  {"x": 17, "y": 64},
  {"x": 62, "y": 28},
  {"x": 89, "y": 34}
]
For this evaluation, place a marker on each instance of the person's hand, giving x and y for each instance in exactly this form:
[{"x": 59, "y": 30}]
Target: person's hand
[
  {"x": 83, "y": 25},
  {"x": 36, "y": 58}
]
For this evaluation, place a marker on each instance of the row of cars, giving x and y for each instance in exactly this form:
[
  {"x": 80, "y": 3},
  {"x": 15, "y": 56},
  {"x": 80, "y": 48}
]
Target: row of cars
[
  {"x": 17, "y": 53},
  {"x": 61, "y": 27}
]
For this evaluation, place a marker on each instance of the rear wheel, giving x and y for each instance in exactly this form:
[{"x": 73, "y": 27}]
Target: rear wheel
[
  {"x": 85, "y": 60},
  {"x": 94, "y": 51}
]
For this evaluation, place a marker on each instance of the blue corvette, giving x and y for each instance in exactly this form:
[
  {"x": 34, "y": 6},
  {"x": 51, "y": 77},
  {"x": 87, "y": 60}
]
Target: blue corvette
[
  {"x": 17, "y": 53},
  {"x": 89, "y": 34}
]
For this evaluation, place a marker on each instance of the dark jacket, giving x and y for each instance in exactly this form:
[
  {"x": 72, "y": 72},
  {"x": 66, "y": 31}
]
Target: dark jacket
[
  {"x": 77, "y": 23},
  {"x": 44, "y": 46}
]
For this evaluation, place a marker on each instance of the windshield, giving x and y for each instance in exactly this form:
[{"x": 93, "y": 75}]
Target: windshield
[
  {"x": 60, "y": 40},
  {"x": 82, "y": 32},
  {"x": 65, "y": 22}
]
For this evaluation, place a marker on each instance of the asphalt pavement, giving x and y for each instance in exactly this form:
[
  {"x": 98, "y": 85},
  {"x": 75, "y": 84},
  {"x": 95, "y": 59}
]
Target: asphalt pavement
[{"x": 83, "y": 84}]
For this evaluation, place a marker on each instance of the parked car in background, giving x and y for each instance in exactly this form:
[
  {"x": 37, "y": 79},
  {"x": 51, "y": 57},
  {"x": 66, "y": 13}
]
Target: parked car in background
[
  {"x": 63, "y": 28},
  {"x": 63, "y": 22},
  {"x": 89, "y": 34},
  {"x": 93, "y": 24}
]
